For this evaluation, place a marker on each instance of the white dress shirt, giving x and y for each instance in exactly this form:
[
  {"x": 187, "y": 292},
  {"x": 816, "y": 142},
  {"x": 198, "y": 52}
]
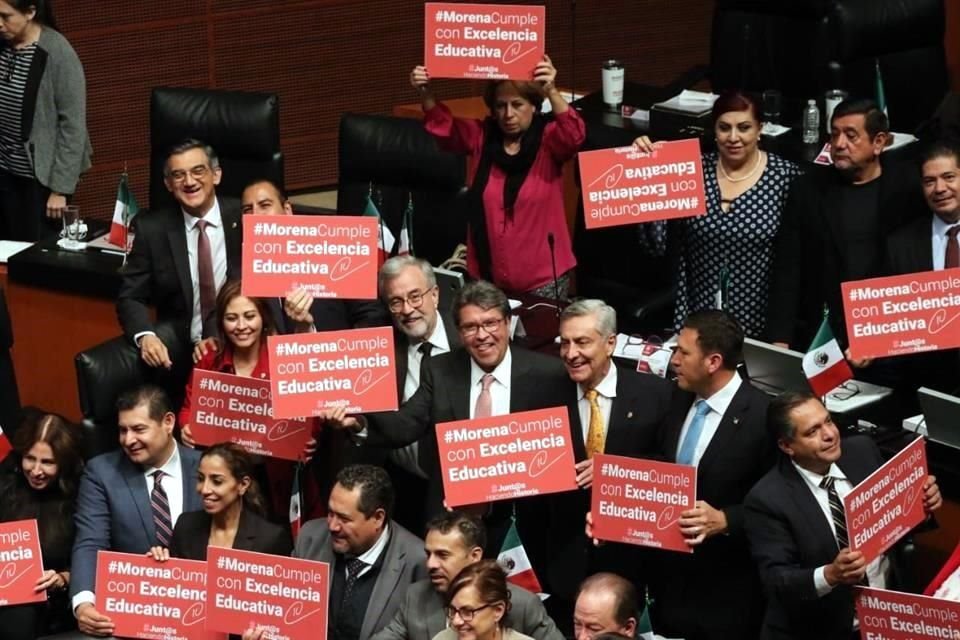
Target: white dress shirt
[
  {"x": 499, "y": 390},
  {"x": 218, "y": 254},
  {"x": 939, "y": 238},
  {"x": 876, "y": 570},
  {"x": 407, "y": 457},
  {"x": 371, "y": 555},
  {"x": 606, "y": 392},
  {"x": 719, "y": 402},
  {"x": 172, "y": 483}
]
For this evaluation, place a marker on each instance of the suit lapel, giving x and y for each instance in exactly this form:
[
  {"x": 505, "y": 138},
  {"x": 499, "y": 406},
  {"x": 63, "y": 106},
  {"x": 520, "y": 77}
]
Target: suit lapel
[
  {"x": 679, "y": 406},
  {"x": 177, "y": 238},
  {"x": 576, "y": 425},
  {"x": 279, "y": 317},
  {"x": 137, "y": 485},
  {"x": 922, "y": 247},
  {"x": 247, "y": 530},
  {"x": 232, "y": 235},
  {"x": 400, "y": 345},
  {"x": 809, "y": 510},
  {"x": 191, "y": 499},
  {"x": 727, "y": 429},
  {"x": 394, "y": 560},
  {"x": 619, "y": 408},
  {"x": 436, "y": 619},
  {"x": 460, "y": 386}
]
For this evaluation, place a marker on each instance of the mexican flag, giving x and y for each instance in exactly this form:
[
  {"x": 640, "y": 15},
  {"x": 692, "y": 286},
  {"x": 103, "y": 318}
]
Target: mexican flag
[
  {"x": 5, "y": 446},
  {"x": 385, "y": 239},
  {"x": 824, "y": 364},
  {"x": 513, "y": 559},
  {"x": 123, "y": 211},
  {"x": 881, "y": 95},
  {"x": 295, "y": 508},
  {"x": 406, "y": 230},
  {"x": 644, "y": 628}
]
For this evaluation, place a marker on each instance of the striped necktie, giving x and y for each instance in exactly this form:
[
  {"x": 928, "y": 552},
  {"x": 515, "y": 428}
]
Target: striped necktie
[
  {"x": 161, "y": 511},
  {"x": 837, "y": 514}
]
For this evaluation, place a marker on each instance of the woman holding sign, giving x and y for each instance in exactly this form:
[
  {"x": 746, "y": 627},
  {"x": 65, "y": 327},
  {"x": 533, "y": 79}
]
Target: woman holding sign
[
  {"x": 41, "y": 484},
  {"x": 725, "y": 256},
  {"x": 517, "y": 223},
  {"x": 477, "y": 601},
  {"x": 232, "y": 515},
  {"x": 244, "y": 324}
]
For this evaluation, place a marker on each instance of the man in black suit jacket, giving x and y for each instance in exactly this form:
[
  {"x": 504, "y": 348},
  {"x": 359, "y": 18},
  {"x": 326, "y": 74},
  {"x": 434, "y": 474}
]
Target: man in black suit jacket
[
  {"x": 926, "y": 244},
  {"x": 625, "y": 421},
  {"x": 163, "y": 267},
  {"x": 714, "y": 592},
  {"x": 807, "y": 568},
  {"x": 834, "y": 226},
  {"x": 450, "y": 389}
]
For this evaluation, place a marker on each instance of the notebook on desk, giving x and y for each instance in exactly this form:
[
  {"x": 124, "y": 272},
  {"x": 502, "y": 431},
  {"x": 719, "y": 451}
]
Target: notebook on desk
[{"x": 941, "y": 416}]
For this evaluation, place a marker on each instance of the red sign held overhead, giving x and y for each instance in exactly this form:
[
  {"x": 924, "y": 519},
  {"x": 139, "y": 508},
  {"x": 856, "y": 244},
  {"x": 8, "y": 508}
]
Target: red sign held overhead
[
  {"x": 314, "y": 372},
  {"x": 490, "y": 41},
  {"x": 640, "y": 501},
  {"x": 627, "y": 186},
  {"x": 504, "y": 457},
  {"x": 329, "y": 256},
  {"x": 904, "y": 314},
  {"x": 286, "y": 596},
  {"x": 237, "y": 409},
  {"x": 891, "y": 615},
  {"x": 21, "y": 563},
  {"x": 157, "y": 600},
  {"x": 888, "y": 503}
]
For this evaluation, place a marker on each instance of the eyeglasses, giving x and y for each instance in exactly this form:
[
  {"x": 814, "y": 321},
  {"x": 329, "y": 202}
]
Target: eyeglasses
[
  {"x": 466, "y": 613},
  {"x": 844, "y": 391},
  {"x": 414, "y": 299},
  {"x": 489, "y": 326},
  {"x": 197, "y": 172}
]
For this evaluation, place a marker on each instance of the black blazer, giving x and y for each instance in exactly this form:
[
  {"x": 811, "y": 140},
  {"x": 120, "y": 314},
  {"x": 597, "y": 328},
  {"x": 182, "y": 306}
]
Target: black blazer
[
  {"x": 910, "y": 248},
  {"x": 331, "y": 314},
  {"x": 810, "y": 246},
  {"x": 158, "y": 270},
  {"x": 790, "y": 537},
  {"x": 715, "y": 592},
  {"x": 192, "y": 532},
  {"x": 401, "y": 343}
]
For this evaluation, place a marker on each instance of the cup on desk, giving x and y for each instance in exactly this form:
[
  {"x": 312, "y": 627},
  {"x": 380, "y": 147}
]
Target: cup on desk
[
  {"x": 71, "y": 227},
  {"x": 612, "y": 75},
  {"x": 830, "y": 101},
  {"x": 771, "y": 100}
]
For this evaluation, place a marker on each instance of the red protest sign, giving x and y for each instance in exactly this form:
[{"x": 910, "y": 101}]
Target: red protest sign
[
  {"x": 233, "y": 408},
  {"x": 627, "y": 186},
  {"x": 903, "y": 314},
  {"x": 149, "y": 599},
  {"x": 285, "y": 596},
  {"x": 891, "y": 615},
  {"x": 493, "y": 41},
  {"x": 312, "y": 372},
  {"x": 504, "y": 457},
  {"x": 888, "y": 503},
  {"x": 329, "y": 256},
  {"x": 639, "y": 501},
  {"x": 21, "y": 563}
]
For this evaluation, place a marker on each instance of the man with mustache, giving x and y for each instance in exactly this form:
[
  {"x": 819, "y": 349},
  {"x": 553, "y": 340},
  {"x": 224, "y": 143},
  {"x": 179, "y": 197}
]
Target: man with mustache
[
  {"x": 796, "y": 524},
  {"x": 835, "y": 226},
  {"x": 454, "y": 541},
  {"x": 130, "y": 499}
]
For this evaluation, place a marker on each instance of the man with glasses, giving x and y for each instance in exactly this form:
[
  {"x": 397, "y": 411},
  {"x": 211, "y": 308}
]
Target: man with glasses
[
  {"x": 485, "y": 377},
  {"x": 180, "y": 258},
  {"x": 606, "y": 604}
]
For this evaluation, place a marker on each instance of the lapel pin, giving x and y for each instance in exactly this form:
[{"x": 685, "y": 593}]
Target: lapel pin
[
  {"x": 233, "y": 226},
  {"x": 629, "y": 414},
  {"x": 736, "y": 421}
]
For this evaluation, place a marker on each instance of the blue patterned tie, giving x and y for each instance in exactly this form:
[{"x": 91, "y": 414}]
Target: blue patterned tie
[{"x": 689, "y": 445}]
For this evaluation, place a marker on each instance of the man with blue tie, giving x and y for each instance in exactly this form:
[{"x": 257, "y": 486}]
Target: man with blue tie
[
  {"x": 716, "y": 423},
  {"x": 129, "y": 500}
]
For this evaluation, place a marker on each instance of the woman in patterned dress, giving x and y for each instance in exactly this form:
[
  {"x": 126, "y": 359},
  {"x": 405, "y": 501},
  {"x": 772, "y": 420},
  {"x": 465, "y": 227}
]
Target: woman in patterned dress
[{"x": 724, "y": 257}]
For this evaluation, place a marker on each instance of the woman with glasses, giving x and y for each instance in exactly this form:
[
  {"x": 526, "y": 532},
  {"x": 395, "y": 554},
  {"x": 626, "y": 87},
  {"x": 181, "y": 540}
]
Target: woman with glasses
[
  {"x": 44, "y": 145},
  {"x": 477, "y": 602},
  {"x": 516, "y": 217}
]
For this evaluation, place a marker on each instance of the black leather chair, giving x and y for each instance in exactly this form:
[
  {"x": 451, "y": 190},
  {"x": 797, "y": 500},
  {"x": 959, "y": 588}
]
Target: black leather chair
[
  {"x": 243, "y": 128},
  {"x": 400, "y": 160},
  {"x": 805, "y": 47}
]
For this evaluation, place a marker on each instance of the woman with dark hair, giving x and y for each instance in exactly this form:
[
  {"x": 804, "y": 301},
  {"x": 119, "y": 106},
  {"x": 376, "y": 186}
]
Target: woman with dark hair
[
  {"x": 517, "y": 223},
  {"x": 477, "y": 601},
  {"x": 41, "y": 483},
  {"x": 44, "y": 146},
  {"x": 233, "y": 511},
  {"x": 724, "y": 257}
]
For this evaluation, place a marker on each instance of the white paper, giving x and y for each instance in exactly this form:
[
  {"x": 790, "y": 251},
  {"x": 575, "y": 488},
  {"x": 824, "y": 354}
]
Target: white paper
[{"x": 11, "y": 247}]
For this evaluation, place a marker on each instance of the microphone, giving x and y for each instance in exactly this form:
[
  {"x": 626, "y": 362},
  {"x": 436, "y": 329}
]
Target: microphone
[{"x": 553, "y": 263}]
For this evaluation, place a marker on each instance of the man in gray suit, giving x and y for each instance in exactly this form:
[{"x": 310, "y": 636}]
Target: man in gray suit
[
  {"x": 130, "y": 499},
  {"x": 454, "y": 541},
  {"x": 373, "y": 559}
]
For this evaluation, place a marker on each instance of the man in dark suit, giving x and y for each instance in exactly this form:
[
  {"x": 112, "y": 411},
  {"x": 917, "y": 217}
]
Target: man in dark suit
[
  {"x": 487, "y": 376},
  {"x": 129, "y": 500},
  {"x": 835, "y": 224},
  {"x": 715, "y": 423},
  {"x": 180, "y": 259},
  {"x": 795, "y": 523},
  {"x": 606, "y": 604},
  {"x": 454, "y": 541},
  {"x": 613, "y": 410},
  {"x": 931, "y": 243}
]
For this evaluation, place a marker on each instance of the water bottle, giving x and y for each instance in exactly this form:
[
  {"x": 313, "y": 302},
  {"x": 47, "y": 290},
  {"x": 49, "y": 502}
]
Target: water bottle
[{"x": 811, "y": 123}]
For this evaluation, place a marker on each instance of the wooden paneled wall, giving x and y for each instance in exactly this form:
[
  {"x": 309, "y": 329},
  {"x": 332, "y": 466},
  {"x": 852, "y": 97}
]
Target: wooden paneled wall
[{"x": 323, "y": 57}]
